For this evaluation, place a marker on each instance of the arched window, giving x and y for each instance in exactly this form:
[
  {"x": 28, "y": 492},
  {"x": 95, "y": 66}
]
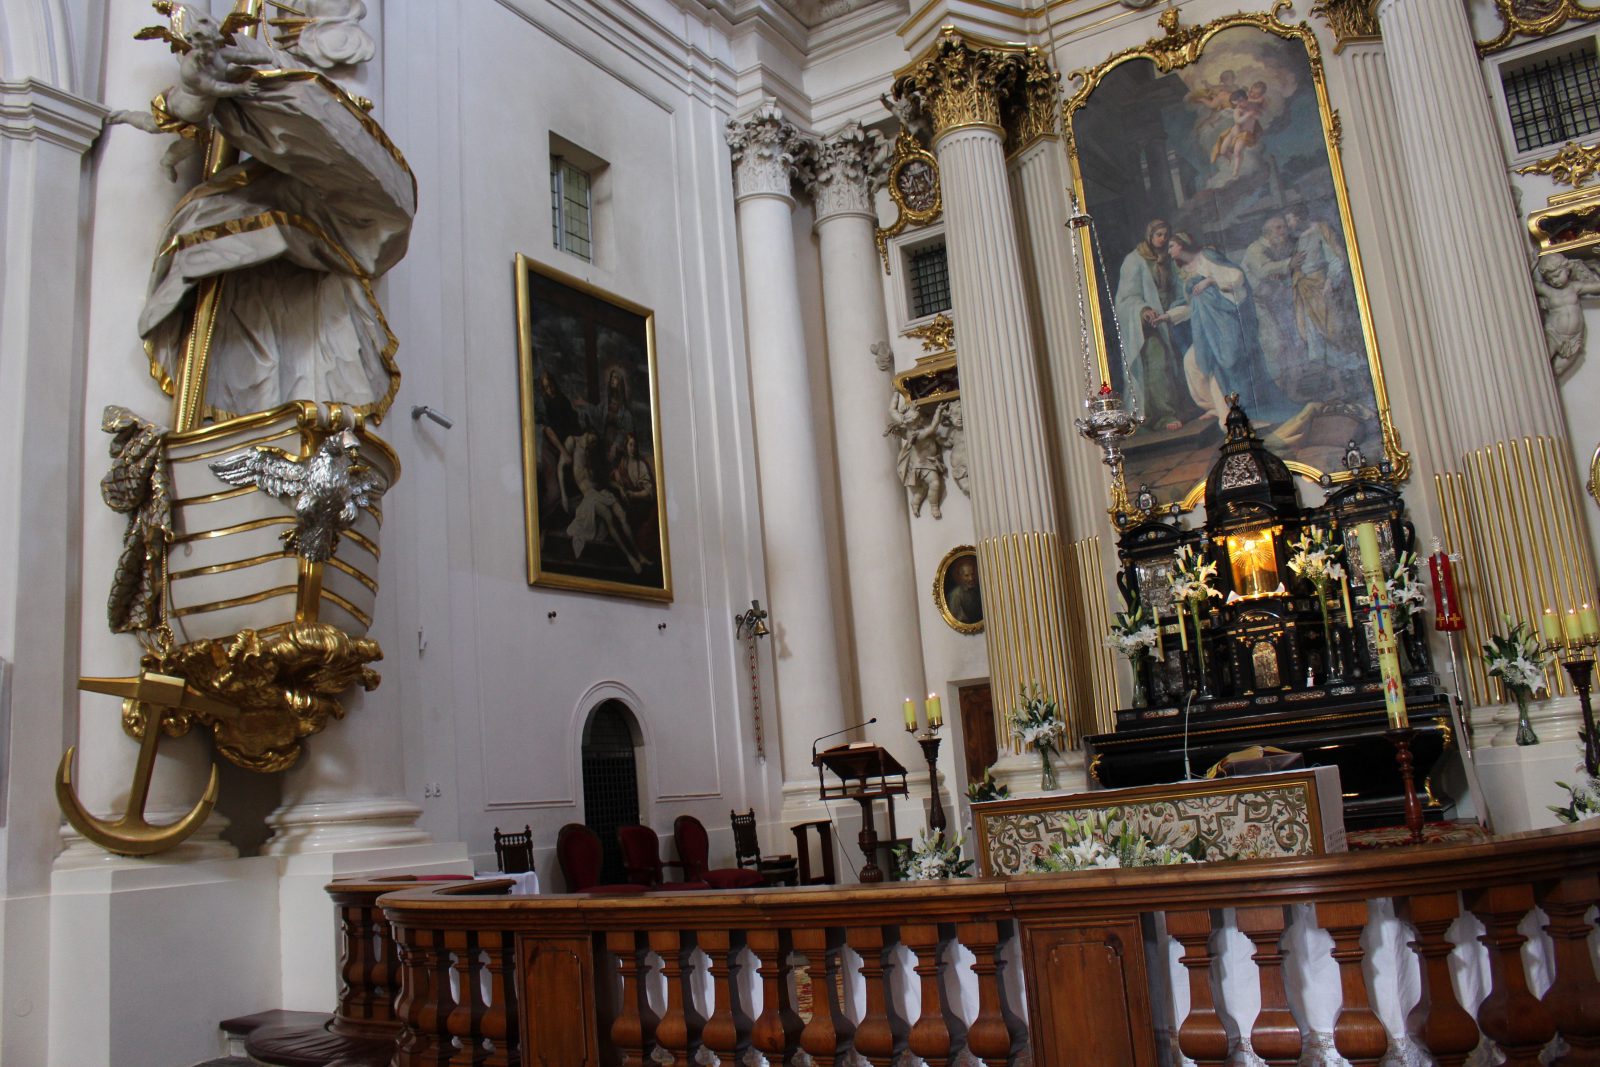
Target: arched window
[{"x": 611, "y": 740}]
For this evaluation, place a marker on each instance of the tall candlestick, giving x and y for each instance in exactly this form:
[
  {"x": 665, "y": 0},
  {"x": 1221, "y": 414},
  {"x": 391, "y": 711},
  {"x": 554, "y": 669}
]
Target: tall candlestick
[
  {"x": 935, "y": 711},
  {"x": 1550, "y": 626},
  {"x": 1572, "y": 626},
  {"x": 1588, "y": 621},
  {"x": 1344, "y": 594},
  {"x": 911, "y": 715}
]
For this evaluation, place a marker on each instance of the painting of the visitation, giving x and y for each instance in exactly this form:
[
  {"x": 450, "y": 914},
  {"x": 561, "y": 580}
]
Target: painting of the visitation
[
  {"x": 1224, "y": 231},
  {"x": 591, "y": 439}
]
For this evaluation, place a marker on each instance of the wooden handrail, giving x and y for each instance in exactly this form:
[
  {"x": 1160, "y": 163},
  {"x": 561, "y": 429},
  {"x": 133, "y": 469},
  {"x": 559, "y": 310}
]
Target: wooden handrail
[{"x": 1081, "y": 939}]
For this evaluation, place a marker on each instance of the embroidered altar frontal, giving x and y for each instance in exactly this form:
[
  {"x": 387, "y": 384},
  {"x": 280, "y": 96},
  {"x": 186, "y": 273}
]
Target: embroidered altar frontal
[{"x": 1288, "y": 813}]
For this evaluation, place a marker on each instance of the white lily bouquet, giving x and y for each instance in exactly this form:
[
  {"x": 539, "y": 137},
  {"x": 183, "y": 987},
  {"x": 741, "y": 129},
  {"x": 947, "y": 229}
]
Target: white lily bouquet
[
  {"x": 1518, "y": 659},
  {"x": 931, "y": 858},
  {"x": 1096, "y": 842},
  {"x": 1317, "y": 559},
  {"x": 1191, "y": 587},
  {"x": 1583, "y": 799},
  {"x": 1134, "y": 635},
  {"x": 1036, "y": 722},
  {"x": 1405, "y": 594}
]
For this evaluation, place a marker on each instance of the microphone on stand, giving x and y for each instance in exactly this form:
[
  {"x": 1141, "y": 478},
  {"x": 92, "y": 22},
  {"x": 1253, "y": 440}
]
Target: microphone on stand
[
  {"x": 836, "y": 733},
  {"x": 1188, "y": 698}
]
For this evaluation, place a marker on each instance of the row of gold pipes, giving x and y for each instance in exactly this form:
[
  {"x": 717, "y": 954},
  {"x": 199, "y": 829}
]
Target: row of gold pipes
[{"x": 1512, "y": 517}]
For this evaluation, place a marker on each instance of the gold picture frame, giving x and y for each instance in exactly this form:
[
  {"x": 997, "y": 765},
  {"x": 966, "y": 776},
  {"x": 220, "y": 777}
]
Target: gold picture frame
[
  {"x": 595, "y": 503},
  {"x": 958, "y": 590},
  {"x": 914, "y": 186},
  {"x": 1285, "y": 137}
]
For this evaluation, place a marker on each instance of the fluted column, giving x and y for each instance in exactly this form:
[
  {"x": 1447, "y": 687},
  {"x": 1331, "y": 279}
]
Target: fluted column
[
  {"x": 882, "y": 578},
  {"x": 1496, "y": 382},
  {"x": 811, "y": 688},
  {"x": 1013, "y": 500}
]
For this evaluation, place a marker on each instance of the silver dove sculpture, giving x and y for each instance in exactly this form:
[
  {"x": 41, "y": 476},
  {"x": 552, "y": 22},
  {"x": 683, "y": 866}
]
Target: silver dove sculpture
[{"x": 329, "y": 489}]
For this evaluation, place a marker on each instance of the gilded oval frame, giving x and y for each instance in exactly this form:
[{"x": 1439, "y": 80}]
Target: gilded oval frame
[
  {"x": 1179, "y": 47},
  {"x": 950, "y": 559}
]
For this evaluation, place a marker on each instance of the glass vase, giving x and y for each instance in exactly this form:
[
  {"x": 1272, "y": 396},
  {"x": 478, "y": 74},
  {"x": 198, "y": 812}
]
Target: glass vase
[
  {"x": 1141, "y": 693},
  {"x": 1525, "y": 734},
  {"x": 1047, "y": 771}
]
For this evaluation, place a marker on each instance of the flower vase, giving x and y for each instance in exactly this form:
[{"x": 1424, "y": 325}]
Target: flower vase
[
  {"x": 1199, "y": 649},
  {"x": 1141, "y": 695},
  {"x": 1047, "y": 771},
  {"x": 1525, "y": 734},
  {"x": 1332, "y": 671}
]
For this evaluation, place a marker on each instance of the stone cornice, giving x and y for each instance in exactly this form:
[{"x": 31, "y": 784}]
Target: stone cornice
[{"x": 31, "y": 110}]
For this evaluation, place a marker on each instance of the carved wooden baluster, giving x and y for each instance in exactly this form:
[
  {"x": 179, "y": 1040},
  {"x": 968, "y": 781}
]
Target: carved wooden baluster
[
  {"x": 1517, "y": 1021},
  {"x": 930, "y": 1034},
  {"x": 419, "y": 1043},
  {"x": 777, "y": 1030},
  {"x": 633, "y": 1030},
  {"x": 1202, "y": 1036},
  {"x": 874, "y": 1037},
  {"x": 499, "y": 1023},
  {"x": 1275, "y": 1036},
  {"x": 1446, "y": 1028},
  {"x": 672, "y": 1032},
  {"x": 385, "y": 973},
  {"x": 462, "y": 1022},
  {"x": 1357, "y": 1032},
  {"x": 1574, "y": 997},
  {"x": 721, "y": 1032},
  {"x": 432, "y": 1033},
  {"x": 355, "y": 962},
  {"x": 827, "y": 1036},
  {"x": 988, "y": 1038}
]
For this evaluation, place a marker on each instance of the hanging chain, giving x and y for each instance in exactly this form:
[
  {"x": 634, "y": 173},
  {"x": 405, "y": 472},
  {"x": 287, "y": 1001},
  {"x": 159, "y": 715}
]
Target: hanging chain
[{"x": 755, "y": 697}]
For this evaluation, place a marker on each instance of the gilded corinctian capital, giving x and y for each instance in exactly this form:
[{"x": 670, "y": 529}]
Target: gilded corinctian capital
[
  {"x": 1036, "y": 113},
  {"x": 768, "y": 152},
  {"x": 1350, "y": 20},
  {"x": 847, "y": 167},
  {"x": 962, "y": 84}
]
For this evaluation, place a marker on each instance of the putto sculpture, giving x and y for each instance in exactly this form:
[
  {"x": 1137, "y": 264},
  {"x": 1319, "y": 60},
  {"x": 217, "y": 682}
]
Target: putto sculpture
[{"x": 249, "y": 566}]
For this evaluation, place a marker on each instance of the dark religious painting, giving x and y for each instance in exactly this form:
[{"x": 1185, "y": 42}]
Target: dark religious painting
[
  {"x": 1209, "y": 162},
  {"x": 958, "y": 590},
  {"x": 591, "y": 438}
]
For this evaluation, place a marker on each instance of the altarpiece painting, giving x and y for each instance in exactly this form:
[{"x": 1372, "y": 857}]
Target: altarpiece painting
[
  {"x": 591, "y": 438},
  {"x": 1209, "y": 161}
]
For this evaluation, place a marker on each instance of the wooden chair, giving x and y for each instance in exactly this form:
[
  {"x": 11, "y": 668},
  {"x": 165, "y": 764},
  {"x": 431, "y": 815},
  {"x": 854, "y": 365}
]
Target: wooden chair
[
  {"x": 641, "y": 854},
  {"x": 774, "y": 870},
  {"x": 579, "y": 854},
  {"x": 694, "y": 846},
  {"x": 514, "y": 852}
]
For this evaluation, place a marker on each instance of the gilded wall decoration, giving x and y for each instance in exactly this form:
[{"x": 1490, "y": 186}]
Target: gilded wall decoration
[
  {"x": 1574, "y": 165},
  {"x": 594, "y": 493},
  {"x": 1209, "y": 160},
  {"x": 1570, "y": 224},
  {"x": 958, "y": 590},
  {"x": 1350, "y": 20},
  {"x": 913, "y": 183},
  {"x": 1533, "y": 18}
]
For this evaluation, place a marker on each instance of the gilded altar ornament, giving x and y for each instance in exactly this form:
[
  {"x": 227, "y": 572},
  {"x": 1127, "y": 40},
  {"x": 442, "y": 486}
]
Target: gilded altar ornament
[
  {"x": 1533, "y": 18},
  {"x": 1351, "y": 21},
  {"x": 913, "y": 183},
  {"x": 247, "y": 564},
  {"x": 1177, "y": 48},
  {"x": 1574, "y": 165},
  {"x": 1571, "y": 222},
  {"x": 937, "y": 334},
  {"x": 1034, "y": 112}
]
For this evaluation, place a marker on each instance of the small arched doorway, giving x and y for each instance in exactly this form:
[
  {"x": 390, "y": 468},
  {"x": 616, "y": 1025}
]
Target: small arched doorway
[{"x": 611, "y": 740}]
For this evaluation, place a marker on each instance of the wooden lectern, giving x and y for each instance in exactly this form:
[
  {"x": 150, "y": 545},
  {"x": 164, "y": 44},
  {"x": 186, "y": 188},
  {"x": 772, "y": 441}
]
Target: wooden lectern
[{"x": 866, "y": 772}]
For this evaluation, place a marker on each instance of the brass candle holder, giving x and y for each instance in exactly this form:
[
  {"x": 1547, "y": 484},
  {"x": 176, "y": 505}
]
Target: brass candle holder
[{"x": 929, "y": 741}]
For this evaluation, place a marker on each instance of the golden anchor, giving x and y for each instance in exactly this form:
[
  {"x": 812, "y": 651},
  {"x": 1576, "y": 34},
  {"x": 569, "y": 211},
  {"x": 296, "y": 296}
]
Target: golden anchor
[{"x": 131, "y": 835}]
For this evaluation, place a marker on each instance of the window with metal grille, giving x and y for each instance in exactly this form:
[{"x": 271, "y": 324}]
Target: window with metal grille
[
  {"x": 569, "y": 207},
  {"x": 1553, "y": 99},
  {"x": 929, "y": 274}
]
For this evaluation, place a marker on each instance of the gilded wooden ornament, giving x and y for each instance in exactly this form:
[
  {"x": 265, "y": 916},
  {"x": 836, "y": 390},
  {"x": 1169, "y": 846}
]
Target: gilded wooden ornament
[
  {"x": 1350, "y": 20},
  {"x": 913, "y": 184},
  {"x": 1594, "y": 475},
  {"x": 961, "y": 83},
  {"x": 1035, "y": 114},
  {"x": 1571, "y": 224},
  {"x": 1533, "y": 18},
  {"x": 939, "y": 335},
  {"x": 1574, "y": 165},
  {"x": 958, "y": 590}
]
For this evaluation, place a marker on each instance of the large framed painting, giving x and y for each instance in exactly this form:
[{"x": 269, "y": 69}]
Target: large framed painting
[
  {"x": 1209, "y": 160},
  {"x": 591, "y": 438}
]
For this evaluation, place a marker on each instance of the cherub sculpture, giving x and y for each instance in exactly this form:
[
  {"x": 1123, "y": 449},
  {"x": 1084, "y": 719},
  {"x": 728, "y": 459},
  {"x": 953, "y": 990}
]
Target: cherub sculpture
[
  {"x": 213, "y": 65},
  {"x": 1561, "y": 283},
  {"x": 920, "y": 464}
]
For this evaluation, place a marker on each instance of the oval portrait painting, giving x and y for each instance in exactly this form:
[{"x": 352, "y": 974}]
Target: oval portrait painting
[{"x": 958, "y": 590}]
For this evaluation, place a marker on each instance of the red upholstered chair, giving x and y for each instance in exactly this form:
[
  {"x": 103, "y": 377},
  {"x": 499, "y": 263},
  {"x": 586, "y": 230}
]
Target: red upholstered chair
[
  {"x": 578, "y": 852},
  {"x": 641, "y": 854},
  {"x": 694, "y": 847}
]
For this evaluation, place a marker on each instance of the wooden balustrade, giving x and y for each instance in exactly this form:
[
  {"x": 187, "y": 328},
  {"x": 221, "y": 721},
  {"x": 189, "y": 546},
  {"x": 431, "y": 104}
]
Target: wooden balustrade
[{"x": 705, "y": 978}]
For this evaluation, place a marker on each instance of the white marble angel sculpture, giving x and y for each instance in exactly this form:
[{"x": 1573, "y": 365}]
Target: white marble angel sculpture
[
  {"x": 920, "y": 463},
  {"x": 1560, "y": 284},
  {"x": 295, "y": 235}
]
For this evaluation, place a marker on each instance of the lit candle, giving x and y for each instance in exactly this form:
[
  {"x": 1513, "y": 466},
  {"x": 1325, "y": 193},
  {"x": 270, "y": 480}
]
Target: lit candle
[
  {"x": 1550, "y": 625},
  {"x": 1588, "y": 622},
  {"x": 1572, "y": 625},
  {"x": 911, "y": 715},
  {"x": 1367, "y": 541},
  {"x": 935, "y": 711},
  {"x": 1344, "y": 593}
]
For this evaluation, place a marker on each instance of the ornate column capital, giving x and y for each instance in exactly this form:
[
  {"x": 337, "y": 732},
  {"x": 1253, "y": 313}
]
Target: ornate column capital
[
  {"x": 1035, "y": 112},
  {"x": 768, "y": 152},
  {"x": 961, "y": 83},
  {"x": 847, "y": 167}
]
